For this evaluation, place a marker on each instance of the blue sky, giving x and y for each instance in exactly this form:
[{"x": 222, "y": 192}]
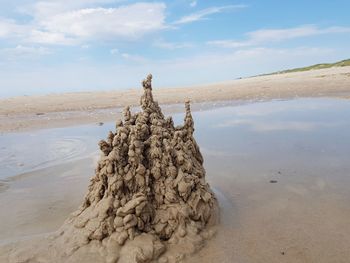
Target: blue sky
[{"x": 65, "y": 46}]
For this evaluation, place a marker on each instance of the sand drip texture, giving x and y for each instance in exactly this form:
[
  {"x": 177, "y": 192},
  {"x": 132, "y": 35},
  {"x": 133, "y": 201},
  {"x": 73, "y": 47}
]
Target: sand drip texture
[{"x": 148, "y": 201}]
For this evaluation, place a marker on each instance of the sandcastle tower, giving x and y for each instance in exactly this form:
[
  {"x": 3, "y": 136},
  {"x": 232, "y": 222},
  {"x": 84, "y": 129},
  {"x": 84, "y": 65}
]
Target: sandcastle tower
[{"x": 149, "y": 183}]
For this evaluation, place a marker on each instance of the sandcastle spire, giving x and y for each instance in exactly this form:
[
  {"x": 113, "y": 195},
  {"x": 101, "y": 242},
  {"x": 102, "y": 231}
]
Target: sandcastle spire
[
  {"x": 147, "y": 97},
  {"x": 188, "y": 121},
  {"x": 147, "y": 82}
]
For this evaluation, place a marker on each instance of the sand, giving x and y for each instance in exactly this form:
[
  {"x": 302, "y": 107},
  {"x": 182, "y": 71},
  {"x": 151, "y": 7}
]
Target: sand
[
  {"x": 57, "y": 110},
  {"x": 39, "y": 202},
  {"x": 301, "y": 218},
  {"x": 148, "y": 201}
]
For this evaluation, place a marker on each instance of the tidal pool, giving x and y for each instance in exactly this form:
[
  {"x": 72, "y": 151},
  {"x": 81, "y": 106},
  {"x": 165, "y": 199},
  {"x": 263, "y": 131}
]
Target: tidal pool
[{"x": 280, "y": 170}]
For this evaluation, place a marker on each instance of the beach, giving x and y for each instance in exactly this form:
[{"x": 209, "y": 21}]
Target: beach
[
  {"x": 275, "y": 151},
  {"x": 59, "y": 110}
]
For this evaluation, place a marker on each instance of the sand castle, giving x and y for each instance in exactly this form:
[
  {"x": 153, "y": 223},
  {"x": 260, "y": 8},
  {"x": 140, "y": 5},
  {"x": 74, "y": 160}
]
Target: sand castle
[{"x": 148, "y": 200}]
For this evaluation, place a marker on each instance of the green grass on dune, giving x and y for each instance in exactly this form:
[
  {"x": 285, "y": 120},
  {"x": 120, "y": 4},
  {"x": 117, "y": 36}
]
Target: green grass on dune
[{"x": 342, "y": 63}]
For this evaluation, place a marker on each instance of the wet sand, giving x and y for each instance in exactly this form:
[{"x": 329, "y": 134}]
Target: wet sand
[
  {"x": 59, "y": 110},
  {"x": 279, "y": 169},
  {"x": 39, "y": 202}
]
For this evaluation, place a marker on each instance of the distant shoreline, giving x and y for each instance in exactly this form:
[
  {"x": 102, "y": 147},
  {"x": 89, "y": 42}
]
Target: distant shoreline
[{"x": 33, "y": 112}]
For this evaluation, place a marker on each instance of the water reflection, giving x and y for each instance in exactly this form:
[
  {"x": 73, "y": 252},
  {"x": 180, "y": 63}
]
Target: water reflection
[
  {"x": 295, "y": 133},
  {"x": 24, "y": 152}
]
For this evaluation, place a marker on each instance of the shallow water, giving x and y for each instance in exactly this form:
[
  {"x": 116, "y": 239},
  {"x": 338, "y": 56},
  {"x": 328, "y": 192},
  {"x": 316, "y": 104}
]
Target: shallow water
[
  {"x": 304, "y": 147},
  {"x": 280, "y": 170},
  {"x": 28, "y": 151},
  {"x": 24, "y": 152}
]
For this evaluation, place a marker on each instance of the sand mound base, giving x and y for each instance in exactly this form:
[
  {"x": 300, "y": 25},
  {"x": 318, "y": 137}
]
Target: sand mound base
[{"x": 148, "y": 200}]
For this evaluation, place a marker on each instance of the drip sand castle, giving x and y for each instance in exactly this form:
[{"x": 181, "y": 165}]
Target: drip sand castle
[{"x": 148, "y": 201}]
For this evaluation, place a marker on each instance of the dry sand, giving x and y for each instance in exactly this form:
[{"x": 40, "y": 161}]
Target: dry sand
[{"x": 27, "y": 112}]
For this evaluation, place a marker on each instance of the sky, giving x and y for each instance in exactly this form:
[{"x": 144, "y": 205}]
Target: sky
[{"x": 85, "y": 45}]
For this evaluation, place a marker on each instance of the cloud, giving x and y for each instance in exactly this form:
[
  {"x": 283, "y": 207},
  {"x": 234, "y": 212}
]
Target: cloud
[
  {"x": 50, "y": 38},
  {"x": 296, "y": 32},
  {"x": 55, "y": 23},
  {"x": 229, "y": 43},
  {"x": 127, "y": 56},
  {"x": 24, "y": 52},
  {"x": 271, "y": 126},
  {"x": 62, "y": 22},
  {"x": 171, "y": 45},
  {"x": 134, "y": 58},
  {"x": 130, "y": 21},
  {"x": 214, "y": 152},
  {"x": 5, "y": 27},
  {"x": 9, "y": 28},
  {"x": 216, "y": 66},
  {"x": 42, "y": 9},
  {"x": 130, "y": 68},
  {"x": 202, "y": 14},
  {"x": 263, "y": 36},
  {"x": 262, "y": 55}
]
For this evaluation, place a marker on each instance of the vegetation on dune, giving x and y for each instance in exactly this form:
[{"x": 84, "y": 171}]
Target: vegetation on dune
[{"x": 342, "y": 63}]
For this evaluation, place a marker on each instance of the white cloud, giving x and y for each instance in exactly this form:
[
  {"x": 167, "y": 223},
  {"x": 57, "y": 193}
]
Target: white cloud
[
  {"x": 130, "y": 21},
  {"x": 5, "y": 27},
  {"x": 216, "y": 153},
  {"x": 202, "y": 14},
  {"x": 229, "y": 43},
  {"x": 277, "y": 35},
  {"x": 41, "y": 9},
  {"x": 9, "y": 28},
  {"x": 271, "y": 126},
  {"x": 134, "y": 58},
  {"x": 55, "y": 23},
  {"x": 296, "y": 32},
  {"x": 160, "y": 43},
  {"x": 24, "y": 52},
  {"x": 47, "y": 37}
]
